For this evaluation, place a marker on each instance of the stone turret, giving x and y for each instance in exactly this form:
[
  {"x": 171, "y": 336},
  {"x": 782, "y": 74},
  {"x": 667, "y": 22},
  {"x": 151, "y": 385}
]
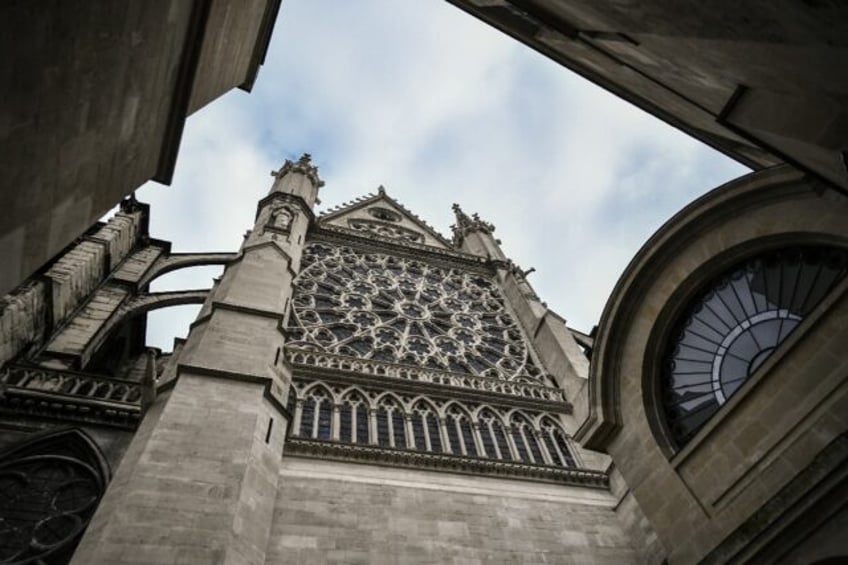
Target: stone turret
[{"x": 211, "y": 447}]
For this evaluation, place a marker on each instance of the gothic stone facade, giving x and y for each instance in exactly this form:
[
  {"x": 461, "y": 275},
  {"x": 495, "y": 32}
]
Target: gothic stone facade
[{"x": 359, "y": 389}]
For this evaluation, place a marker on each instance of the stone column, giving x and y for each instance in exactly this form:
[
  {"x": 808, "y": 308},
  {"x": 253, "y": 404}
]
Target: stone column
[{"x": 200, "y": 477}]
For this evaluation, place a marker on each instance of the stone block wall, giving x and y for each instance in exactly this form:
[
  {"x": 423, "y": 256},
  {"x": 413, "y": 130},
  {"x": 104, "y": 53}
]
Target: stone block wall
[
  {"x": 335, "y": 512},
  {"x": 22, "y": 318},
  {"x": 28, "y": 312}
]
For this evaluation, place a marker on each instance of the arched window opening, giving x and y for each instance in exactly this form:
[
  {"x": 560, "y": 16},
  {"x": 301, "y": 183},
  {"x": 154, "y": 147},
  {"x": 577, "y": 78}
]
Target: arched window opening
[
  {"x": 316, "y": 414},
  {"x": 425, "y": 428},
  {"x": 390, "y": 425},
  {"x": 353, "y": 419},
  {"x": 493, "y": 436},
  {"x": 525, "y": 441},
  {"x": 557, "y": 444},
  {"x": 734, "y": 324},
  {"x": 460, "y": 432}
]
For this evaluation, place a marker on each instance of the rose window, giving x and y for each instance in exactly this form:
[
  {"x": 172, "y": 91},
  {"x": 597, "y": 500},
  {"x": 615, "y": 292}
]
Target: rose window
[
  {"x": 45, "y": 503},
  {"x": 376, "y": 306}
]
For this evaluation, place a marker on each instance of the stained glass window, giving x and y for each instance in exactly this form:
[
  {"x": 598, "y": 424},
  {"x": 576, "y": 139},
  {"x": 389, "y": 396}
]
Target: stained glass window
[
  {"x": 735, "y": 324},
  {"x": 375, "y": 306},
  {"x": 46, "y": 501}
]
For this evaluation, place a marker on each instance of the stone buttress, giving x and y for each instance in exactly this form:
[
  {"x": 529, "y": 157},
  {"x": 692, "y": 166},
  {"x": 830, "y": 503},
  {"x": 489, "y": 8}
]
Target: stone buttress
[{"x": 199, "y": 479}]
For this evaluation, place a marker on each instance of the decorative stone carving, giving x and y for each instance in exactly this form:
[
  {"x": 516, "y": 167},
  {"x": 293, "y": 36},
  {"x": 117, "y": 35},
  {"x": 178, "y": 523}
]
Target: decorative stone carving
[
  {"x": 396, "y": 310},
  {"x": 280, "y": 219},
  {"x": 383, "y": 229},
  {"x": 465, "y": 225}
]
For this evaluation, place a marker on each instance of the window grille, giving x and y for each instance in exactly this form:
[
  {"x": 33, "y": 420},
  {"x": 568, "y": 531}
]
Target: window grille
[{"x": 734, "y": 324}]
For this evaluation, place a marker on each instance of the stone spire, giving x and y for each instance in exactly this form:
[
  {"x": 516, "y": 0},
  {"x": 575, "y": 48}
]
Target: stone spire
[
  {"x": 303, "y": 166},
  {"x": 465, "y": 225}
]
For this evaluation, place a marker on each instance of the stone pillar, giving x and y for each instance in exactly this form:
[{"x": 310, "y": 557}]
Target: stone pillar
[{"x": 201, "y": 484}]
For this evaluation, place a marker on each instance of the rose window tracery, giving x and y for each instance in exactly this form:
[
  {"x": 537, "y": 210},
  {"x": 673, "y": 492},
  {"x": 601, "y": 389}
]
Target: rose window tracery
[
  {"x": 45, "y": 503},
  {"x": 376, "y": 306}
]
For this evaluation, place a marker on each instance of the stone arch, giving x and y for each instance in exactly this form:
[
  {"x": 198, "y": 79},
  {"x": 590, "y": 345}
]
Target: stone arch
[
  {"x": 525, "y": 437},
  {"x": 426, "y": 424},
  {"x": 523, "y": 414},
  {"x": 353, "y": 389},
  {"x": 390, "y": 421},
  {"x": 143, "y": 304},
  {"x": 314, "y": 412},
  {"x": 494, "y": 434},
  {"x": 689, "y": 246},
  {"x": 328, "y": 390},
  {"x": 177, "y": 261},
  {"x": 460, "y": 429},
  {"x": 380, "y": 398},
  {"x": 709, "y": 484},
  {"x": 354, "y": 415}
]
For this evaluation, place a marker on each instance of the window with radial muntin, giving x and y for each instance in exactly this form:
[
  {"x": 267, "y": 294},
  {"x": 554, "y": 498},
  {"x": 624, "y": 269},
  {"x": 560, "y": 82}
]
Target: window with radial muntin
[{"x": 734, "y": 324}]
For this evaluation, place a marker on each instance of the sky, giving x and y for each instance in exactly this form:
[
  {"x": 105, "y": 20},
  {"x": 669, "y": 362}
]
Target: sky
[{"x": 439, "y": 108}]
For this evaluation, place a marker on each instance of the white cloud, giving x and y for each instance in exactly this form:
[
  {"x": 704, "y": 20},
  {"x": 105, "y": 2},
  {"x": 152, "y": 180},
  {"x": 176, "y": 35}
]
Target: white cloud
[{"x": 440, "y": 108}]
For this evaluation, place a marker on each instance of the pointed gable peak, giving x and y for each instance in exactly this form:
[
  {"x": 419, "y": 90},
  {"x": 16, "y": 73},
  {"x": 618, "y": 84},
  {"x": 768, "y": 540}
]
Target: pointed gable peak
[{"x": 381, "y": 216}]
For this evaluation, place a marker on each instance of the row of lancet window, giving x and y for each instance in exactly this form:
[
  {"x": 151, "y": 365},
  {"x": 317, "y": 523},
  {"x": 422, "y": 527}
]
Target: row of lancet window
[{"x": 389, "y": 424}]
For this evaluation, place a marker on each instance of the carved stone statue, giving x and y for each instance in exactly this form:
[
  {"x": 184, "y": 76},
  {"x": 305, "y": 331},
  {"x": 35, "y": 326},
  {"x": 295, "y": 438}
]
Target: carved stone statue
[{"x": 281, "y": 219}]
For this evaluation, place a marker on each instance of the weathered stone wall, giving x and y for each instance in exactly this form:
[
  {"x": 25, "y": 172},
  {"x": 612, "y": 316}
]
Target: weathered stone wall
[
  {"x": 101, "y": 91},
  {"x": 767, "y": 449},
  {"x": 197, "y": 482},
  {"x": 333, "y": 512},
  {"x": 226, "y": 59},
  {"x": 27, "y": 313}
]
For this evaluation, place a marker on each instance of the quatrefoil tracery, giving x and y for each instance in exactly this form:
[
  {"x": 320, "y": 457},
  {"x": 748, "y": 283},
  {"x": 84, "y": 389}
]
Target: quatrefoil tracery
[{"x": 376, "y": 306}]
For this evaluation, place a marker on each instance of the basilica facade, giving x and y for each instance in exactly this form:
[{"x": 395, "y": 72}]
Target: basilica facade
[{"x": 359, "y": 388}]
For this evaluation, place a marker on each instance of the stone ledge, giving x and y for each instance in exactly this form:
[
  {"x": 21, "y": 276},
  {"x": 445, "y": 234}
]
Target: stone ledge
[{"x": 444, "y": 462}]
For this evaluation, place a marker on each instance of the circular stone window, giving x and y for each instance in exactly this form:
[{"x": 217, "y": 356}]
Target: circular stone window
[
  {"x": 734, "y": 324},
  {"x": 384, "y": 214}
]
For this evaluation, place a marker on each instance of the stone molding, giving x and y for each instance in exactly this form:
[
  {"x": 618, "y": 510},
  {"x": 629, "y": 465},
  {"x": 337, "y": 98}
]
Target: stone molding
[
  {"x": 69, "y": 395},
  {"x": 372, "y": 454},
  {"x": 305, "y": 359},
  {"x": 741, "y": 196}
]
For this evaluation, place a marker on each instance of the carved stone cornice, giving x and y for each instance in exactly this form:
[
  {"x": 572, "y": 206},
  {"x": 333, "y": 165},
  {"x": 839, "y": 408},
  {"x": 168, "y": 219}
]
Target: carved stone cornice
[
  {"x": 70, "y": 396},
  {"x": 368, "y": 241},
  {"x": 339, "y": 451},
  {"x": 541, "y": 396}
]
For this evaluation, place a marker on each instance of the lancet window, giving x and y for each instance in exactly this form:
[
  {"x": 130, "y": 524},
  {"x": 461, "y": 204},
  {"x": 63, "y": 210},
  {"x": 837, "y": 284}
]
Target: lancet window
[
  {"x": 451, "y": 428},
  {"x": 525, "y": 440},
  {"x": 460, "y": 432},
  {"x": 556, "y": 443},
  {"x": 391, "y": 428},
  {"x": 426, "y": 429},
  {"x": 316, "y": 418},
  {"x": 493, "y": 436},
  {"x": 353, "y": 419}
]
